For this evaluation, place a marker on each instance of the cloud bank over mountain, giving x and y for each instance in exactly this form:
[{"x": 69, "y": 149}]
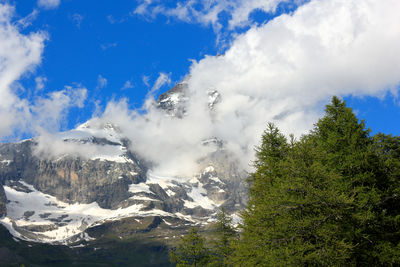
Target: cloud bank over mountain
[{"x": 282, "y": 71}]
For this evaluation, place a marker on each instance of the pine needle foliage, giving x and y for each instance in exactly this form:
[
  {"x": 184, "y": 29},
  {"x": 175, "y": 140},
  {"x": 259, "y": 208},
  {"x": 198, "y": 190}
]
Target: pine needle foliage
[
  {"x": 223, "y": 238},
  {"x": 191, "y": 251},
  {"x": 327, "y": 199}
]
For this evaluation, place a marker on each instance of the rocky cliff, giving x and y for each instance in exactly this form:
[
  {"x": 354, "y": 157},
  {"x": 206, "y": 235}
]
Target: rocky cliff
[
  {"x": 71, "y": 179},
  {"x": 3, "y": 202}
]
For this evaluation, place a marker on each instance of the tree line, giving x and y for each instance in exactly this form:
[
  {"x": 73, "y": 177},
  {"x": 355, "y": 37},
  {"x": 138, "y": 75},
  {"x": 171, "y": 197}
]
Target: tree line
[{"x": 329, "y": 198}]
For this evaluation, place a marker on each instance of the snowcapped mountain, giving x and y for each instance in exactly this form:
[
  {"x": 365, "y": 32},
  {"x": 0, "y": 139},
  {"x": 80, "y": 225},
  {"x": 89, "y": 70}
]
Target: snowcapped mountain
[{"x": 61, "y": 198}]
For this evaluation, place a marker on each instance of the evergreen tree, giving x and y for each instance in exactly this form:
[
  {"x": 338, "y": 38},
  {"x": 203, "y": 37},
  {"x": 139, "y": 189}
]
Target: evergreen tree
[
  {"x": 264, "y": 191},
  {"x": 370, "y": 171},
  {"x": 224, "y": 236},
  {"x": 384, "y": 231},
  {"x": 323, "y": 200},
  {"x": 191, "y": 251}
]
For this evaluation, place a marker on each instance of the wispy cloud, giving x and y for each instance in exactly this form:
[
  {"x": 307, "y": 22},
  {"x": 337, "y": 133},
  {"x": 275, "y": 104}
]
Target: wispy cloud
[
  {"x": 40, "y": 82},
  {"x": 127, "y": 85},
  {"x": 163, "y": 79},
  {"x": 101, "y": 82},
  {"x": 142, "y": 8},
  {"x": 114, "y": 20},
  {"x": 107, "y": 46},
  {"x": 50, "y": 112},
  {"x": 27, "y": 21},
  {"x": 49, "y": 4},
  {"x": 111, "y": 19},
  {"x": 77, "y": 19},
  {"x": 209, "y": 12},
  {"x": 146, "y": 80}
]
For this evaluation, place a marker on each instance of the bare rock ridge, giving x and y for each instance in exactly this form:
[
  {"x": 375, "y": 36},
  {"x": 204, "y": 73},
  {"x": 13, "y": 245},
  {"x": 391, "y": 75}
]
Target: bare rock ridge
[
  {"x": 173, "y": 101},
  {"x": 3, "y": 202},
  {"x": 60, "y": 199}
]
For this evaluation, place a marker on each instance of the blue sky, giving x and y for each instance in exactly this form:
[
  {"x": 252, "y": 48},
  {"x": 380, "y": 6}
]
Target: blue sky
[
  {"x": 85, "y": 43},
  {"x": 118, "y": 49}
]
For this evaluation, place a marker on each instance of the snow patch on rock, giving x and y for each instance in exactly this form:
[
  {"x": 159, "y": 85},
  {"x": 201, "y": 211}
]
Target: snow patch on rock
[{"x": 39, "y": 217}]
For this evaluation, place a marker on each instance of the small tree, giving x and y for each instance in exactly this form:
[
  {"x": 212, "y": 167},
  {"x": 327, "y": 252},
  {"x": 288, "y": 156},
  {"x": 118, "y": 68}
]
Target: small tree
[
  {"x": 224, "y": 236},
  {"x": 191, "y": 251},
  {"x": 254, "y": 244}
]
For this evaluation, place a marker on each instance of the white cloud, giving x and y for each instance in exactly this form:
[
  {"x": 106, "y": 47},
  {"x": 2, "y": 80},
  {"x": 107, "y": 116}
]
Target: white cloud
[
  {"x": 27, "y": 21},
  {"x": 146, "y": 80},
  {"x": 52, "y": 146},
  {"x": 101, "y": 82},
  {"x": 169, "y": 142},
  {"x": 224, "y": 16},
  {"x": 21, "y": 54},
  {"x": 283, "y": 71},
  {"x": 49, "y": 4},
  {"x": 127, "y": 85},
  {"x": 208, "y": 12},
  {"x": 141, "y": 9},
  {"x": 40, "y": 81},
  {"x": 51, "y": 112},
  {"x": 162, "y": 80}
]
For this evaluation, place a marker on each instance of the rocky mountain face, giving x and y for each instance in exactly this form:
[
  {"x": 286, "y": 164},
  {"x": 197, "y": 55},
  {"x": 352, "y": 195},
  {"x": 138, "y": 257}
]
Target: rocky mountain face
[
  {"x": 3, "y": 202},
  {"x": 70, "y": 179},
  {"x": 68, "y": 199},
  {"x": 173, "y": 101}
]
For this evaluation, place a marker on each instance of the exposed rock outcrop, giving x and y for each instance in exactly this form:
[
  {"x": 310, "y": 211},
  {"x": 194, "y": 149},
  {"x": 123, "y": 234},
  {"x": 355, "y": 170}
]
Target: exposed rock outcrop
[
  {"x": 3, "y": 202},
  {"x": 174, "y": 101},
  {"x": 71, "y": 179}
]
